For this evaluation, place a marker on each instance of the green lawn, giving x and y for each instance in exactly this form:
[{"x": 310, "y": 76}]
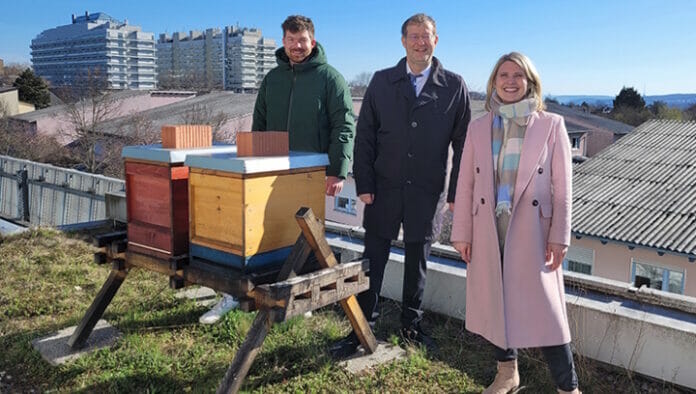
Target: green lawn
[{"x": 48, "y": 280}]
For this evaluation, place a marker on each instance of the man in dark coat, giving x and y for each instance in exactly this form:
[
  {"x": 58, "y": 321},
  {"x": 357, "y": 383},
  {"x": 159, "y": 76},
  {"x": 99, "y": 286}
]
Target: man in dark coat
[{"x": 410, "y": 115}]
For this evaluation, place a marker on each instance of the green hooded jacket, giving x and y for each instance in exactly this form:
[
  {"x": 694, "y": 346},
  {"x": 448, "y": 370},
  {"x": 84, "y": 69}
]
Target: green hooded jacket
[{"x": 311, "y": 101}]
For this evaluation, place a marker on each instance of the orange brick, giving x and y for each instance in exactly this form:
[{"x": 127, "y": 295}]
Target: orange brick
[
  {"x": 262, "y": 143},
  {"x": 186, "y": 136}
]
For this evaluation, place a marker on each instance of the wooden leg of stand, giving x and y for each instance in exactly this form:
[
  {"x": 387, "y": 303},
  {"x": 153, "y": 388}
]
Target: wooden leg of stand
[
  {"x": 313, "y": 231},
  {"x": 246, "y": 354},
  {"x": 96, "y": 310}
]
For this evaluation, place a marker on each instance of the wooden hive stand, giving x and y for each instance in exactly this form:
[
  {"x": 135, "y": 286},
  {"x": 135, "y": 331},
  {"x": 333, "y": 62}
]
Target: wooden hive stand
[{"x": 278, "y": 296}]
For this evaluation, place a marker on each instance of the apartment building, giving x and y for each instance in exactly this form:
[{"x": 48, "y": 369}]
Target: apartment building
[
  {"x": 232, "y": 58},
  {"x": 96, "y": 47}
]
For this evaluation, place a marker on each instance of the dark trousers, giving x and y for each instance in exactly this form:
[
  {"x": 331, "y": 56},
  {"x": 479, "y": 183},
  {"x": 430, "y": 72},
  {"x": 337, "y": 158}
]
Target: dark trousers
[
  {"x": 377, "y": 251},
  {"x": 559, "y": 359}
]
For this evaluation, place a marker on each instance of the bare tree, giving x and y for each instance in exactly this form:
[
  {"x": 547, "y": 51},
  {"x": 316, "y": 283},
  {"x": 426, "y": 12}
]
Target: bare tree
[
  {"x": 15, "y": 141},
  {"x": 91, "y": 105},
  {"x": 202, "y": 81},
  {"x": 203, "y": 114},
  {"x": 133, "y": 129},
  {"x": 358, "y": 85},
  {"x": 10, "y": 72}
]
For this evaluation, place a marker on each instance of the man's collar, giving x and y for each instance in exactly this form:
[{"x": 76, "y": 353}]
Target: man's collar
[
  {"x": 425, "y": 73},
  {"x": 397, "y": 73}
]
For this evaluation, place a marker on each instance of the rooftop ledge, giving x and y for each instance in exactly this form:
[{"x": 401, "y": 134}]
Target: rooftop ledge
[{"x": 640, "y": 329}]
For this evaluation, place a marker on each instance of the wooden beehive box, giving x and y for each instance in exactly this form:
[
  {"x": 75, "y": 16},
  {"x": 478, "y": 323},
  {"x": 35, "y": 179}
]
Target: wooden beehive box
[
  {"x": 157, "y": 198},
  {"x": 242, "y": 209}
]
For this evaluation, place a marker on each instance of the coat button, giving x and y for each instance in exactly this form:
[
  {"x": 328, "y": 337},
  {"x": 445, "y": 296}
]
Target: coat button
[
  {"x": 477, "y": 170},
  {"x": 541, "y": 170},
  {"x": 409, "y": 154},
  {"x": 414, "y": 124},
  {"x": 483, "y": 201},
  {"x": 535, "y": 203}
]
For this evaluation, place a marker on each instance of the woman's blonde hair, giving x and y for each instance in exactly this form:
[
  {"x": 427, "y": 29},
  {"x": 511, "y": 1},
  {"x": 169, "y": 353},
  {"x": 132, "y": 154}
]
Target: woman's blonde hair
[{"x": 529, "y": 71}]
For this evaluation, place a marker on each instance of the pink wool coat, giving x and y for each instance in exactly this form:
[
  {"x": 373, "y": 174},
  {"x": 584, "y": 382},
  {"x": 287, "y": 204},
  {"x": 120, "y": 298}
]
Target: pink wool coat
[{"x": 524, "y": 304}]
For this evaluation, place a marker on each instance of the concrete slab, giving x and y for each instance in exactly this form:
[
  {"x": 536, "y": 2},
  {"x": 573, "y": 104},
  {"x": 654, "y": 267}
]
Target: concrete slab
[
  {"x": 203, "y": 296},
  {"x": 362, "y": 361},
  {"x": 196, "y": 293},
  {"x": 9, "y": 228},
  {"x": 55, "y": 350}
]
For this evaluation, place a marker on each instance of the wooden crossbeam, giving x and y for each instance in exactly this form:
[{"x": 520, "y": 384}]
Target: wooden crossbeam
[
  {"x": 314, "y": 290},
  {"x": 313, "y": 230}
]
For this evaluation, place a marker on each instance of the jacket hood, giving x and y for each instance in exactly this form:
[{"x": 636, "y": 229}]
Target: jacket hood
[{"x": 315, "y": 59}]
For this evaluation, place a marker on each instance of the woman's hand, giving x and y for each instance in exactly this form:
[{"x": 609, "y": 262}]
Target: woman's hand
[
  {"x": 555, "y": 253},
  {"x": 464, "y": 249}
]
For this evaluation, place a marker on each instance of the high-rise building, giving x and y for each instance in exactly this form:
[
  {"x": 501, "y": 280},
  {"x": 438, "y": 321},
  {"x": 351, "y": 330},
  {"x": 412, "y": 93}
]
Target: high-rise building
[
  {"x": 231, "y": 59},
  {"x": 96, "y": 47}
]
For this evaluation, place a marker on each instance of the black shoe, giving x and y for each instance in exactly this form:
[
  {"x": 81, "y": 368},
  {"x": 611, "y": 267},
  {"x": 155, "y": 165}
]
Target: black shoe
[
  {"x": 345, "y": 347},
  {"x": 416, "y": 336}
]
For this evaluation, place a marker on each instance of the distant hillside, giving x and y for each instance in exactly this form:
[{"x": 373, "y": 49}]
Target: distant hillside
[{"x": 681, "y": 101}]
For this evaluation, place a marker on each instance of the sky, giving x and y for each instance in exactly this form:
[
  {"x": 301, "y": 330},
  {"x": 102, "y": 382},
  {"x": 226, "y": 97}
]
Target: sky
[{"x": 586, "y": 47}]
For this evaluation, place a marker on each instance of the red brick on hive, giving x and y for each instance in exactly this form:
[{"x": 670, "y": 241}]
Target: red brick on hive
[
  {"x": 186, "y": 136},
  {"x": 262, "y": 143}
]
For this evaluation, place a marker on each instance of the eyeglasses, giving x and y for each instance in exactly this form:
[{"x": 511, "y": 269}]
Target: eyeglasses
[{"x": 419, "y": 37}]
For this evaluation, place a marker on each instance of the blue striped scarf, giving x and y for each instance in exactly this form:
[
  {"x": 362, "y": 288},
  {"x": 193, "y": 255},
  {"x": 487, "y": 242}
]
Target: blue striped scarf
[{"x": 508, "y": 130}]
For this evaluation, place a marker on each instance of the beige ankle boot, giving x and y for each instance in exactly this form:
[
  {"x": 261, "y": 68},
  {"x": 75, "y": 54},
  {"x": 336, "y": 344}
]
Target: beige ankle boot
[
  {"x": 576, "y": 391},
  {"x": 506, "y": 380}
]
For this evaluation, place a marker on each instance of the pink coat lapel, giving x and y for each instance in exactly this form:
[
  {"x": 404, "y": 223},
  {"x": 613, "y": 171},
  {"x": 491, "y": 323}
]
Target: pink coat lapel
[{"x": 532, "y": 147}]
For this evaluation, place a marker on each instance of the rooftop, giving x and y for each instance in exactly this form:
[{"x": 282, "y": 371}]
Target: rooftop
[
  {"x": 641, "y": 190},
  {"x": 584, "y": 121}
]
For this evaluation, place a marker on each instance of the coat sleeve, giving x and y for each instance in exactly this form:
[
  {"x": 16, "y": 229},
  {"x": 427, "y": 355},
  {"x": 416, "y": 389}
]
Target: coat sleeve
[
  {"x": 259, "y": 119},
  {"x": 342, "y": 126},
  {"x": 561, "y": 185},
  {"x": 462, "y": 221},
  {"x": 366, "y": 142},
  {"x": 462, "y": 119}
]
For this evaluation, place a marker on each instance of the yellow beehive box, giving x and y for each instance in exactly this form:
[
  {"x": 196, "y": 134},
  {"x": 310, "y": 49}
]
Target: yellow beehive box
[{"x": 242, "y": 209}]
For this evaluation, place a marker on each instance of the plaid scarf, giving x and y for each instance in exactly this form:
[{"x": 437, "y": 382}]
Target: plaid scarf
[{"x": 508, "y": 130}]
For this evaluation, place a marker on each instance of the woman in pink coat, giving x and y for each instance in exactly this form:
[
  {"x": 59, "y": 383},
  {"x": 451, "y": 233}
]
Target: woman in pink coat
[{"x": 512, "y": 224}]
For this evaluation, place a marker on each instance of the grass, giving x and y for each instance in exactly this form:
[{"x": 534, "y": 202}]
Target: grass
[{"x": 48, "y": 280}]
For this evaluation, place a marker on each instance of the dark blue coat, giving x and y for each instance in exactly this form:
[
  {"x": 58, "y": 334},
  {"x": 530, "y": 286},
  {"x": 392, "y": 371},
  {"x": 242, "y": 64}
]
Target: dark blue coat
[{"x": 401, "y": 148}]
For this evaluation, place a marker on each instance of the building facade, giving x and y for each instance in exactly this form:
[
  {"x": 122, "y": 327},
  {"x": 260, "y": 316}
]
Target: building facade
[
  {"x": 96, "y": 47},
  {"x": 231, "y": 59},
  {"x": 633, "y": 209}
]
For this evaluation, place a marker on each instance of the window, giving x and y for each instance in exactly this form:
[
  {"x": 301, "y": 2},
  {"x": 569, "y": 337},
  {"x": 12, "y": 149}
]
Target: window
[
  {"x": 657, "y": 277},
  {"x": 345, "y": 204},
  {"x": 575, "y": 142},
  {"x": 579, "y": 260}
]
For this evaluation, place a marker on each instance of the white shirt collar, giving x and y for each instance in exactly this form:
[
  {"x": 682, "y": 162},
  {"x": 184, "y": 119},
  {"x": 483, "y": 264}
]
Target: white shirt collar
[{"x": 420, "y": 81}]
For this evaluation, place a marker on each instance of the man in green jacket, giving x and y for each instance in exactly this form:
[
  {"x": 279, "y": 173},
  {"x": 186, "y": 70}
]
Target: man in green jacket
[{"x": 310, "y": 100}]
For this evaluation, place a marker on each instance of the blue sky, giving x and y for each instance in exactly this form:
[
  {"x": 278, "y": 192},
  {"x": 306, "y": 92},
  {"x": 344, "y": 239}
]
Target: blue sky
[{"x": 579, "y": 47}]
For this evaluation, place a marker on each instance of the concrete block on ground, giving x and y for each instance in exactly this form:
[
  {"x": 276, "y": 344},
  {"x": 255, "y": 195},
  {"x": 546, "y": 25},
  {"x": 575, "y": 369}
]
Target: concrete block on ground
[
  {"x": 203, "y": 296},
  {"x": 363, "y": 361},
  {"x": 55, "y": 350}
]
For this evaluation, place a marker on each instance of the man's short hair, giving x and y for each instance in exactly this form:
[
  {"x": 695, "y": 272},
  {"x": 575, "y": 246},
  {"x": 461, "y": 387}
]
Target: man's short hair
[
  {"x": 298, "y": 23},
  {"x": 418, "y": 19}
]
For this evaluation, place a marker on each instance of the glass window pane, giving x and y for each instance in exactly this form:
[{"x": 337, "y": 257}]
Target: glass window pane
[
  {"x": 577, "y": 266},
  {"x": 676, "y": 281},
  {"x": 654, "y": 274}
]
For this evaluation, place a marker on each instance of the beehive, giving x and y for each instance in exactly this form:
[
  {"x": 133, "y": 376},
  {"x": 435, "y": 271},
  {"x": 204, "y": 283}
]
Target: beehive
[
  {"x": 242, "y": 209},
  {"x": 157, "y": 198}
]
